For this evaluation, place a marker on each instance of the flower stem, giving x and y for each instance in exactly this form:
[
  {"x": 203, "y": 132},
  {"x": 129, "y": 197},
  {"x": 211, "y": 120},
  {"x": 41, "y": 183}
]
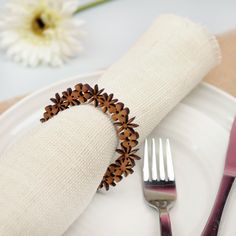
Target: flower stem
[{"x": 90, "y": 5}]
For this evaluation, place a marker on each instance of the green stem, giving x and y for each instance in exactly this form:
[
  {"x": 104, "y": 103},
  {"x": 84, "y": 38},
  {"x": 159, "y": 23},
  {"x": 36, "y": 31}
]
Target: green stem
[{"x": 90, "y": 5}]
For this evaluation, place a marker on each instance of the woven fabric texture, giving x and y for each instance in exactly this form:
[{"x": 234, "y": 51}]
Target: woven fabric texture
[{"x": 49, "y": 177}]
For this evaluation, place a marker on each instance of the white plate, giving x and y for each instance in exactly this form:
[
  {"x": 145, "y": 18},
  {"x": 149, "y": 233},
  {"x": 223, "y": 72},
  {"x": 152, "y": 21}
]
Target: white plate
[{"x": 198, "y": 129}]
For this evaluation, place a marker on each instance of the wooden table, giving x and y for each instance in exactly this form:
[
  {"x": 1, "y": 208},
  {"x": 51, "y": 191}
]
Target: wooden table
[{"x": 223, "y": 76}]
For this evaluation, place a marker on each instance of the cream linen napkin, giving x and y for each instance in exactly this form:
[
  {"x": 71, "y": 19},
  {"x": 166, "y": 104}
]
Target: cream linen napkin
[{"x": 48, "y": 178}]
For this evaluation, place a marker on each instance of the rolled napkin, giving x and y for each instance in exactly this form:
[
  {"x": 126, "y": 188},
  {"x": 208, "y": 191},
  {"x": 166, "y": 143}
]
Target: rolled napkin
[{"x": 49, "y": 177}]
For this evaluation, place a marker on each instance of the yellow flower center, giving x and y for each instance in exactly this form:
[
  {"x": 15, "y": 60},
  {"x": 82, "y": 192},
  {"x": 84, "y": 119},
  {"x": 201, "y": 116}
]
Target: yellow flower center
[{"x": 44, "y": 19}]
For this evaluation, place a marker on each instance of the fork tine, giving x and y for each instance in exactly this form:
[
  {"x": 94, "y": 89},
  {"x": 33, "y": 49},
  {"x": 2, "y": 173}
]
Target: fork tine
[
  {"x": 161, "y": 161},
  {"x": 170, "y": 167},
  {"x": 154, "y": 160},
  {"x": 146, "y": 162},
  {"x": 158, "y": 188}
]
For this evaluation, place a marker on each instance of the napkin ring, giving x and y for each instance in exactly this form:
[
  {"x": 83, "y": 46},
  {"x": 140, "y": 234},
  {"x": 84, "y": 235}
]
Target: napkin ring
[{"x": 125, "y": 127}]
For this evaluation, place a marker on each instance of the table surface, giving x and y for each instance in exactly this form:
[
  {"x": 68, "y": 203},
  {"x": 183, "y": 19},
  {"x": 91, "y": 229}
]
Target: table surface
[{"x": 111, "y": 29}]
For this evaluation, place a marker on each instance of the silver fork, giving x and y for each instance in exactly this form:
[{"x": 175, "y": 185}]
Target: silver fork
[{"x": 159, "y": 182}]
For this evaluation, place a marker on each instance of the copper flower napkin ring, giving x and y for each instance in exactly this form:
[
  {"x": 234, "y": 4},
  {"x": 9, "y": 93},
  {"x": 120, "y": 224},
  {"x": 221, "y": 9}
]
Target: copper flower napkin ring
[{"x": 125, "y": 127}]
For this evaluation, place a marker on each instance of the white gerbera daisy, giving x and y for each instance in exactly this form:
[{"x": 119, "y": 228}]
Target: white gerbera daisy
[{"x": 40, "y": 31}]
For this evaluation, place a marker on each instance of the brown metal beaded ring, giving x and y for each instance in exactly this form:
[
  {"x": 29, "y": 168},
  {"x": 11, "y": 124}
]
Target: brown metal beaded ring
[{"x": 125, "y": 127}]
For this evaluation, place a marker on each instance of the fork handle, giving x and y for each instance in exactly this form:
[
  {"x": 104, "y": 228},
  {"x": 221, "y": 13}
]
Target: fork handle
[
  {"x": 165, "y": 223},
  {"x": 212, "y": 226}
]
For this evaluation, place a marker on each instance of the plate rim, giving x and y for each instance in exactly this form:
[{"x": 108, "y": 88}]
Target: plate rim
[
  {"x": 37, "y": 93},
  {"x": 48, "y": 87},
  {"x": 91, "y": 74}
]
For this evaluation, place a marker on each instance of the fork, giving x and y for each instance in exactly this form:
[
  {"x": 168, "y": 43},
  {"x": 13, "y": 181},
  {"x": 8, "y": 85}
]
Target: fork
[{"x": 159, "y": 182}]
